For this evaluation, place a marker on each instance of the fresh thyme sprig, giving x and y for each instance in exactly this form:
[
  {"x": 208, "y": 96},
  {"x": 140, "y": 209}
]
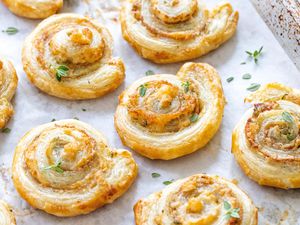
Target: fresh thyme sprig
[
  {"x": 6, "y": 130},
  {"x": 11, "y": 30},
  {"x": 62, "y": 71},
  {"x": 253, "y": 87},
  {"x": 194, "y": 118},
  {"x": 246, "y": 76},
  {"x": 168, "y": 182},
  {"x": 55, "y": 167},
  {"x": 186, "y": 86},
  {"x": 231, "y": 212},
  {"x": 256, "y": 54},
  {"x": 149, "y": 72},
  {"x": 155, "y": 175},
  {"x": 229, "y": 79},
  {"x": 287, "y": 117},
  {"x": 142, "y": 90}
]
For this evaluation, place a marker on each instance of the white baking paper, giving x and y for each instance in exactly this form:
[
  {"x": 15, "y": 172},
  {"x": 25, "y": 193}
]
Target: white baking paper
[{"x": 33, "y": 108}]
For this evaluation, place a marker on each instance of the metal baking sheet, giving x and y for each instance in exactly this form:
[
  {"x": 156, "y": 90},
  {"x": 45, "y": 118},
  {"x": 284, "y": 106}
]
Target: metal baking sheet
[
  {"x": 283, "y": 18},
  {"x": 33, "y": 108}
]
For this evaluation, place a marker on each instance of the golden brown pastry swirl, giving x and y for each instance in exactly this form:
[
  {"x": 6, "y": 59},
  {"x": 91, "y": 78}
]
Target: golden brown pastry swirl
[
  {"x": 70, "y": 56},
  {"x": 6, "y": 215},
  {"x": 266, "y": 142},
  {"x": 167, "y": 31},
  {"x": 66, "y": 169},
  {"x": 195, "y": 200},
  {"x": 8, "y": 85},
  {"x": 165, "y": 116},
  {"x": 34, "y": 9}
]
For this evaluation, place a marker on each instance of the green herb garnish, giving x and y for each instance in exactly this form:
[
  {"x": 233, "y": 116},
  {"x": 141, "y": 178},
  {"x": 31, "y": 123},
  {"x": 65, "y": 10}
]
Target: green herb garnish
[
  {"x": 290, "y": 136},
  {"x": 55, "y": 167},
  {"x": 253, "y": 87},
  {"x": 142, "y": 90},
  {"x": 186, "y": 86},
  {"x": 155, "y": 175},
  {"x": 247, "y": 76},
  {"x": 168, "y": 182},
  {"x": 11, "y": 30},
  {"x": 256, "y": 54},
  {"x": 84, "y": 110},
  {"x": 149, "y": 72},
  {"x": 229, "y": 79},
  {"x": 62, "y": 71},
  {"x": 53, "y": 120},
  {"x": 194, "y": 117},
  {"x": 287, "y": 117},
  {"x": 243, "y": 63},
  {"x": 76, "y": 118},
  {"x": 6, "y": 130},
  {"x": 230, "y": 212}
]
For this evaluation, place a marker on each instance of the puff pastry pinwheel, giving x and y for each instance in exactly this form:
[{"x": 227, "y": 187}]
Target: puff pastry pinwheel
[
  {"x": 167, "y": 31},
  {"x": 6, "y": 215},
  {"x": 198, "y": 199},
  {"x": 34, "y": 9},
  {"x": 66, "y": 169},
  {"x": 8, "y": 85},
  {"x": 70, "y": 56},
  {"x": 165, "y": 116},
  {"x": 266, "y": 141}
]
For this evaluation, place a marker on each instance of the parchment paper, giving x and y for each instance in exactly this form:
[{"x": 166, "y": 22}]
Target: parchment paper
[{"x": 33, "y": 108}]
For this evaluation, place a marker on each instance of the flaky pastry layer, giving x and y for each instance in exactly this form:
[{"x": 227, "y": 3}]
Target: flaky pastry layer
[
  {"x": 176, "y": 30},
  {"x": 7, "y": 216},
  {"x": 34, "y": 9},
  {"x": 8, "y": 86},
  {"x": 266, "y": 141},
  {"x": 198, "y": 199},
  {"x": 66, "y": 169},
  {"x": 70, "y": 56},
  {"x": 167, "y": 116}
]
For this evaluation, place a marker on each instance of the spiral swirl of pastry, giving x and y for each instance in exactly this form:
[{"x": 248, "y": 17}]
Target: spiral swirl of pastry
[
  {"x": 8, "y": 85},
  {"x": 66, "y": 169},
  {"x": 266, "y": 141},
  {"x": 198, "y": 199},
  {"x": 6, "y": 215},
  {"x": 165, "y": 116},
  {"x": 167, "y": 31},
  {"x": 34, "y": 9},
  {"x": 70, "y": 56}
]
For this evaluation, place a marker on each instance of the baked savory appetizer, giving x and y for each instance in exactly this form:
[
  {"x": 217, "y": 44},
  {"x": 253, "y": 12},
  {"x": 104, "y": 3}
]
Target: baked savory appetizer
[
  {"x": 6, "y": 214},
  {"x": 66, "y": 169},
  {"x": 34, "y": 9},
  {"x": 266, "y": 141},
  {"x": 70, "y": 56},
  {"x": 8, "y": 85},
  {"x": 167, "y": 31},
  {"x": 166, "y": 116},
  {"x": 199, "y": 199}
]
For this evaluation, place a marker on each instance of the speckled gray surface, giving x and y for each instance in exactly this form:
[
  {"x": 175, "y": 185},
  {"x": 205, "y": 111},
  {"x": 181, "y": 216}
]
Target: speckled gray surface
[
  {"x": 34, "y": 108},
  {"x": 283, "y": 18}
]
